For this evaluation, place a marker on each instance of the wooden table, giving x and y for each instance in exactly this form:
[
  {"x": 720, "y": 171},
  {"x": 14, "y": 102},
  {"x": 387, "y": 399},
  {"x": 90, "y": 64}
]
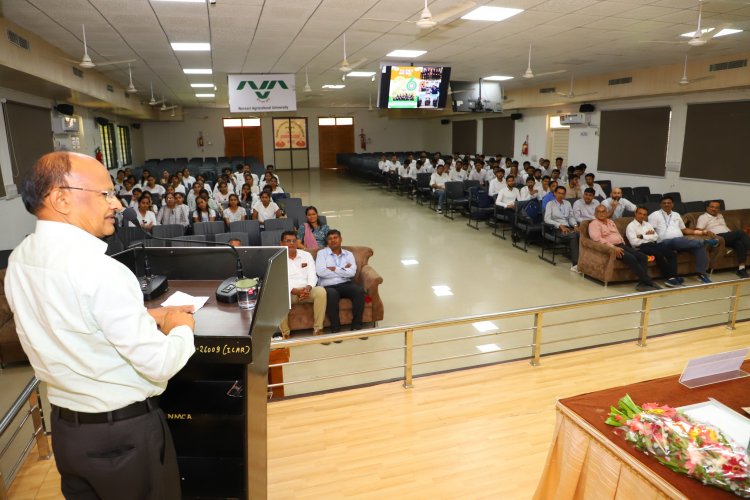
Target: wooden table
[{"x": 588, "y": 460}]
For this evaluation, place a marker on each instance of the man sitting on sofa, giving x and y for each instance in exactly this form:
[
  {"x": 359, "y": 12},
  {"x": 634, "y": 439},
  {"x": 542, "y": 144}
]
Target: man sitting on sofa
[
  {"x": 336, "y": 267},
  {"x": 603, "y": 230},
  {"x": 671, "y": 230},
  {"x": 302, "y": 275},
  {"x": 713, "y": 225},
  {"x": 642, "y": 236}
]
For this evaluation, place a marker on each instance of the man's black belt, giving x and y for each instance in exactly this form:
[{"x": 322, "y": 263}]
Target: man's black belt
[{"x": 125, "y": 413}]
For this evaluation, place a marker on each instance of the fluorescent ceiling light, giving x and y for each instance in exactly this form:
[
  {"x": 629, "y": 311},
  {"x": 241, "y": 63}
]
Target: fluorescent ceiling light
[
  {"x": 406, "y": 53},
  {"x": 484, "y": 326},
  {"x": 410, "y": 262},
  {"x": 197, "y": 71},
  {"x": 361, "y": 73},
  {"x": 442, "y": 290},
  {"x": 334, "y": 86},
  {"x": 497, "y": 78},
  {"x": 202, "y": 85},
  {"x": 488, "y": 348},
  {"x": 205, "y": 95},
  {"x": 494, "y": 14},
  {"x": 202, "y": 46}
]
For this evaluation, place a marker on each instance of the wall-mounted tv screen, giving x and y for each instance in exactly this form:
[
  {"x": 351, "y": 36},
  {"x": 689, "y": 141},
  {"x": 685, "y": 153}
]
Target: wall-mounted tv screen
[
  {"x": 465, "y": 96},
  {"x": 413, "y": 87}
]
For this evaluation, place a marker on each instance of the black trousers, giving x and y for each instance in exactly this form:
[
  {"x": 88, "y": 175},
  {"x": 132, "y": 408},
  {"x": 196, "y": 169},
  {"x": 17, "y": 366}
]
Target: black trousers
[
  {"x": 350, "y": 291},
  {"x": 738, "y": 240},
  {"x": 637, "y": 262},
  {"x": 572, "y": 239},
  {"x": 127, "y": 459},
  {"x": 665, "y": 258}
]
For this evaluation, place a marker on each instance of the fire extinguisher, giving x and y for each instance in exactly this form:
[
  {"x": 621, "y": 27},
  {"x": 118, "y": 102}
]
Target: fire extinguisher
[
  {"x": 200, "y": 139},
  {"x": 525, "y": 147},
  {"x": 363, "y": 140},
  {"x": 99, "y": 155}
]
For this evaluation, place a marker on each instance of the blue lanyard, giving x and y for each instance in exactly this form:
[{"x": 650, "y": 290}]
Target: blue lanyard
[{"x": 667, "y": 221}]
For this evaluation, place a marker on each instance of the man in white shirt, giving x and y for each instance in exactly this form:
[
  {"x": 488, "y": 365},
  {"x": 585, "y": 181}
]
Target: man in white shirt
[
  {"x": 437, "y": 183},
  {"x": 671, "y": 230},
  {"x": 508, "y": 195},
  {"x": 105, "y": 358},
  {"x": 598, "y": 191},
  {"x": 529, "y": 191},
  {"x": 458, "y": 173},
  {"x": 616, "y": 204},
  {"x": 585, "y": 208},
  {"x": 713, "y": 224},
  {"x": 559, "y": 213},
  {"x": 336, "y": 268},
  {"x": 478, "y": 173},
  {"x": 497, "y": 183},
  {"x": 300, "y": 268},
  {"x": 642, "y": 236}
]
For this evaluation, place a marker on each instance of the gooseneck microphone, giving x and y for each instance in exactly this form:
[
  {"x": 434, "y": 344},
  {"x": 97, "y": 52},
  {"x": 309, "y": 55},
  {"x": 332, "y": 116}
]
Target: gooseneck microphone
[
  {"x": 152, "y": 286},
  {"x": 226, "y": 291}
]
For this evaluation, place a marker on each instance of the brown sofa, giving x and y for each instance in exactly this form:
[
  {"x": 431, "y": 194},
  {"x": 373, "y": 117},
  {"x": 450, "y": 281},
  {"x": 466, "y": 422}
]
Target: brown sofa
[
  {"x": 736, "y": 220},
  {"x": 10, "y": 346},
  {"x": 301, "y": 315},
  {"x": 598, "y": 260}
]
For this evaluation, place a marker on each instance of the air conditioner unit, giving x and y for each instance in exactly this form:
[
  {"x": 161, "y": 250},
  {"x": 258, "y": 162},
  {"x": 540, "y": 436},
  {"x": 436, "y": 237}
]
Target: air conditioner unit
[
  {"x": 575, "y": 119},
  {"x": 62, "y": 124}
]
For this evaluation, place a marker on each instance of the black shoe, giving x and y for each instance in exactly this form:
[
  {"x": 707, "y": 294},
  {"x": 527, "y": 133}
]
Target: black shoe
[
  {"x": 742, "y": 273},
  {"x": 653, "y": 284},
  {"x": 643, "y": 287}
]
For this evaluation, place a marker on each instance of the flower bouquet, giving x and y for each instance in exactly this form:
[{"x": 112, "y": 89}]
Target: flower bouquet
[{"x": 687, "y": 447}]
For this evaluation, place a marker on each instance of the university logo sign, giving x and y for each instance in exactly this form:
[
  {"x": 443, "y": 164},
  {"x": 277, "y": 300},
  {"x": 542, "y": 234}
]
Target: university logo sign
[{"x": 261, "y": 93}]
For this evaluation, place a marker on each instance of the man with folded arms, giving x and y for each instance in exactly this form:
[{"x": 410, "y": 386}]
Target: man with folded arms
[
  {"x": 712, "y": 224},
  {"x": 603, "y": 230},
  {"x": 81, "y": 321},
  {"x": 642, "y": 236},
  {"x": 300, "y": 267},
  {"x": 671, "y": 230},
  {"x": 559, "y": 213},
  {"x": 616, "y": 204}
]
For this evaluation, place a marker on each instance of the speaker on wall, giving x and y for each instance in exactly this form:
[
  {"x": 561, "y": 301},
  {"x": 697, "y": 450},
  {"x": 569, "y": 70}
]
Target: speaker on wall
[
  {"x": 101, "y": 121},
  {"x": 65, "y": 109},
  {"x": 444, "y": 121},
  {"x": 586, "y": 108},
  {"x": 516, "y": 116},
  {"x": 136, "y": 126}
]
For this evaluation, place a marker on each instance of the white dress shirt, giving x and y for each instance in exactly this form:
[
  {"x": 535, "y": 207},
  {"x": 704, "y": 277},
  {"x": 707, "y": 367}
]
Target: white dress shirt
[
  {"x": 480, "y": 176},
  {"x": 525, "y": 194},
  {"x": 598, "y": 191},
  {"x": 440, "y": 180},
  {"x": 81, "y": 321},
  {"x": 391, "y": 166},
  {"x": 458, "y": 175},
  {"x": 667, "y": 226},
  {"x": 507, "y": 196},
  {"x": 636, "y": 233},
  {"x": 496, "y": 186},
  {"x": 583, "y": 211},
  {"x": 341, "y": 274},
  {"x": 716, "y": 225},
  {"x": 301, "y": 270},
  {"x": 622, "y": 205}
]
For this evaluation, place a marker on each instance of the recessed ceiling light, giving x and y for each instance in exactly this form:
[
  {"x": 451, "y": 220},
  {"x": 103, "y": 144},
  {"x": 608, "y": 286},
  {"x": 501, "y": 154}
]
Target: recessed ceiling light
[
  {"x": 494, "y": 14},
  {"x": 484, "y": 326},
  {"x": 361, "y": 73},
  {"x": 202, "y": 46},
  {"x": 330, "y": 86},
  {"x": 406, "y": 53},
  {"x": 442, "y": 290},
  {"x": 497, "y": 78},
  {"x": 410, "y": 262},
  {"x": 202, "y": 85},
  {"x": 197, "y": 71},
  {"x": 488, "y": 348},
  {"x": 205, "y": 95}
]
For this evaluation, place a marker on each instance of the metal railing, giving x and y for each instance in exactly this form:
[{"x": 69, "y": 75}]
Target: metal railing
[
  {"x": 30, "y": 395},
  {"x": 540, "y": 323}
]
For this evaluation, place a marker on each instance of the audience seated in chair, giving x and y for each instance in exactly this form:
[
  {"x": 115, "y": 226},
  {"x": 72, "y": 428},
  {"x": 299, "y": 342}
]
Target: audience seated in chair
[
  {"x": 146, "y": 217},
  {"x": 573, "y": 187},
  {"x": 437, "y": 183},
  {"x": 530, "y": 191},
  {"x": 617, "y": 205},
  {"x": 550, "y": 194},
  {"x": 671, "y": 230},
  {"x": 234, "y": 211},
  {"x": 497, "y": 183},
  {"x": 559, "y": 213},
  {"x": 312, "y": 234},
  {"x": 203, "y": 213},
  {"x": 712, "y": 224},
  {"x": 603, "y": 230},
  {"x": 479, "y": 173},
  {"x": 265, "y": 208},
  {"x": 598, "y": 191},
  {"x": 171, "y": 213},
  {"x": 583, "y": 209}
]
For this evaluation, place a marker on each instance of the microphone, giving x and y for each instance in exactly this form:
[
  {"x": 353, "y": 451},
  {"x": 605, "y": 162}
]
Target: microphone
[
  {"x": 226, "y": 291},
  {"x": 152, "y": 286}
]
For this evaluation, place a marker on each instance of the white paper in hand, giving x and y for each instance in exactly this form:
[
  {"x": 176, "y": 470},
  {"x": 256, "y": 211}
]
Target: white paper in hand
[{"x": 183, "y": 299}]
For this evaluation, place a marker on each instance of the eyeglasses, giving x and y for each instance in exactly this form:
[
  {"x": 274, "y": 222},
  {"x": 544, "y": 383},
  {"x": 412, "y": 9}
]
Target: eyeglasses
[{"x": 109, "y": 195}]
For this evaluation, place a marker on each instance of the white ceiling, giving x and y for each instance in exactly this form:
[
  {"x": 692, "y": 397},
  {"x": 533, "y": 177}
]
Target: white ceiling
[{"x": 285, "y": 36}]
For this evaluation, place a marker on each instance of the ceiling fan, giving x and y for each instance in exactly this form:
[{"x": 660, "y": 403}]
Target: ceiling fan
[
  {"x": 529, "y": 74},
  {"x": 700, "y": 36},
  {"x": 131, "y": 88},
  {"x": 684, "y": 80},
  {"x": 570, "y": 94},
  {"x": 153, "y": 101},
  {"x": 307, "y": 82},
  {"x": 345, "y": 66},
  {"x": 86, "y": 61},
  {"x": 427, "y": 20},
  {"x": 164, "y": 106}
]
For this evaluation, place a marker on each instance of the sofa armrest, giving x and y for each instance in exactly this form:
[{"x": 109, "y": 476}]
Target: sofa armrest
[
  {"x": 597, "y": 259},
  {"x": 597, "y": 247},
  {"x": 370, "y": 281}
]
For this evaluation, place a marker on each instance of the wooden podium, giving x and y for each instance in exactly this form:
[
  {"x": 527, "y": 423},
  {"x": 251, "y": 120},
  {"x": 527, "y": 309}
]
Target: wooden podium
[{"x": 216, "y": 405}]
